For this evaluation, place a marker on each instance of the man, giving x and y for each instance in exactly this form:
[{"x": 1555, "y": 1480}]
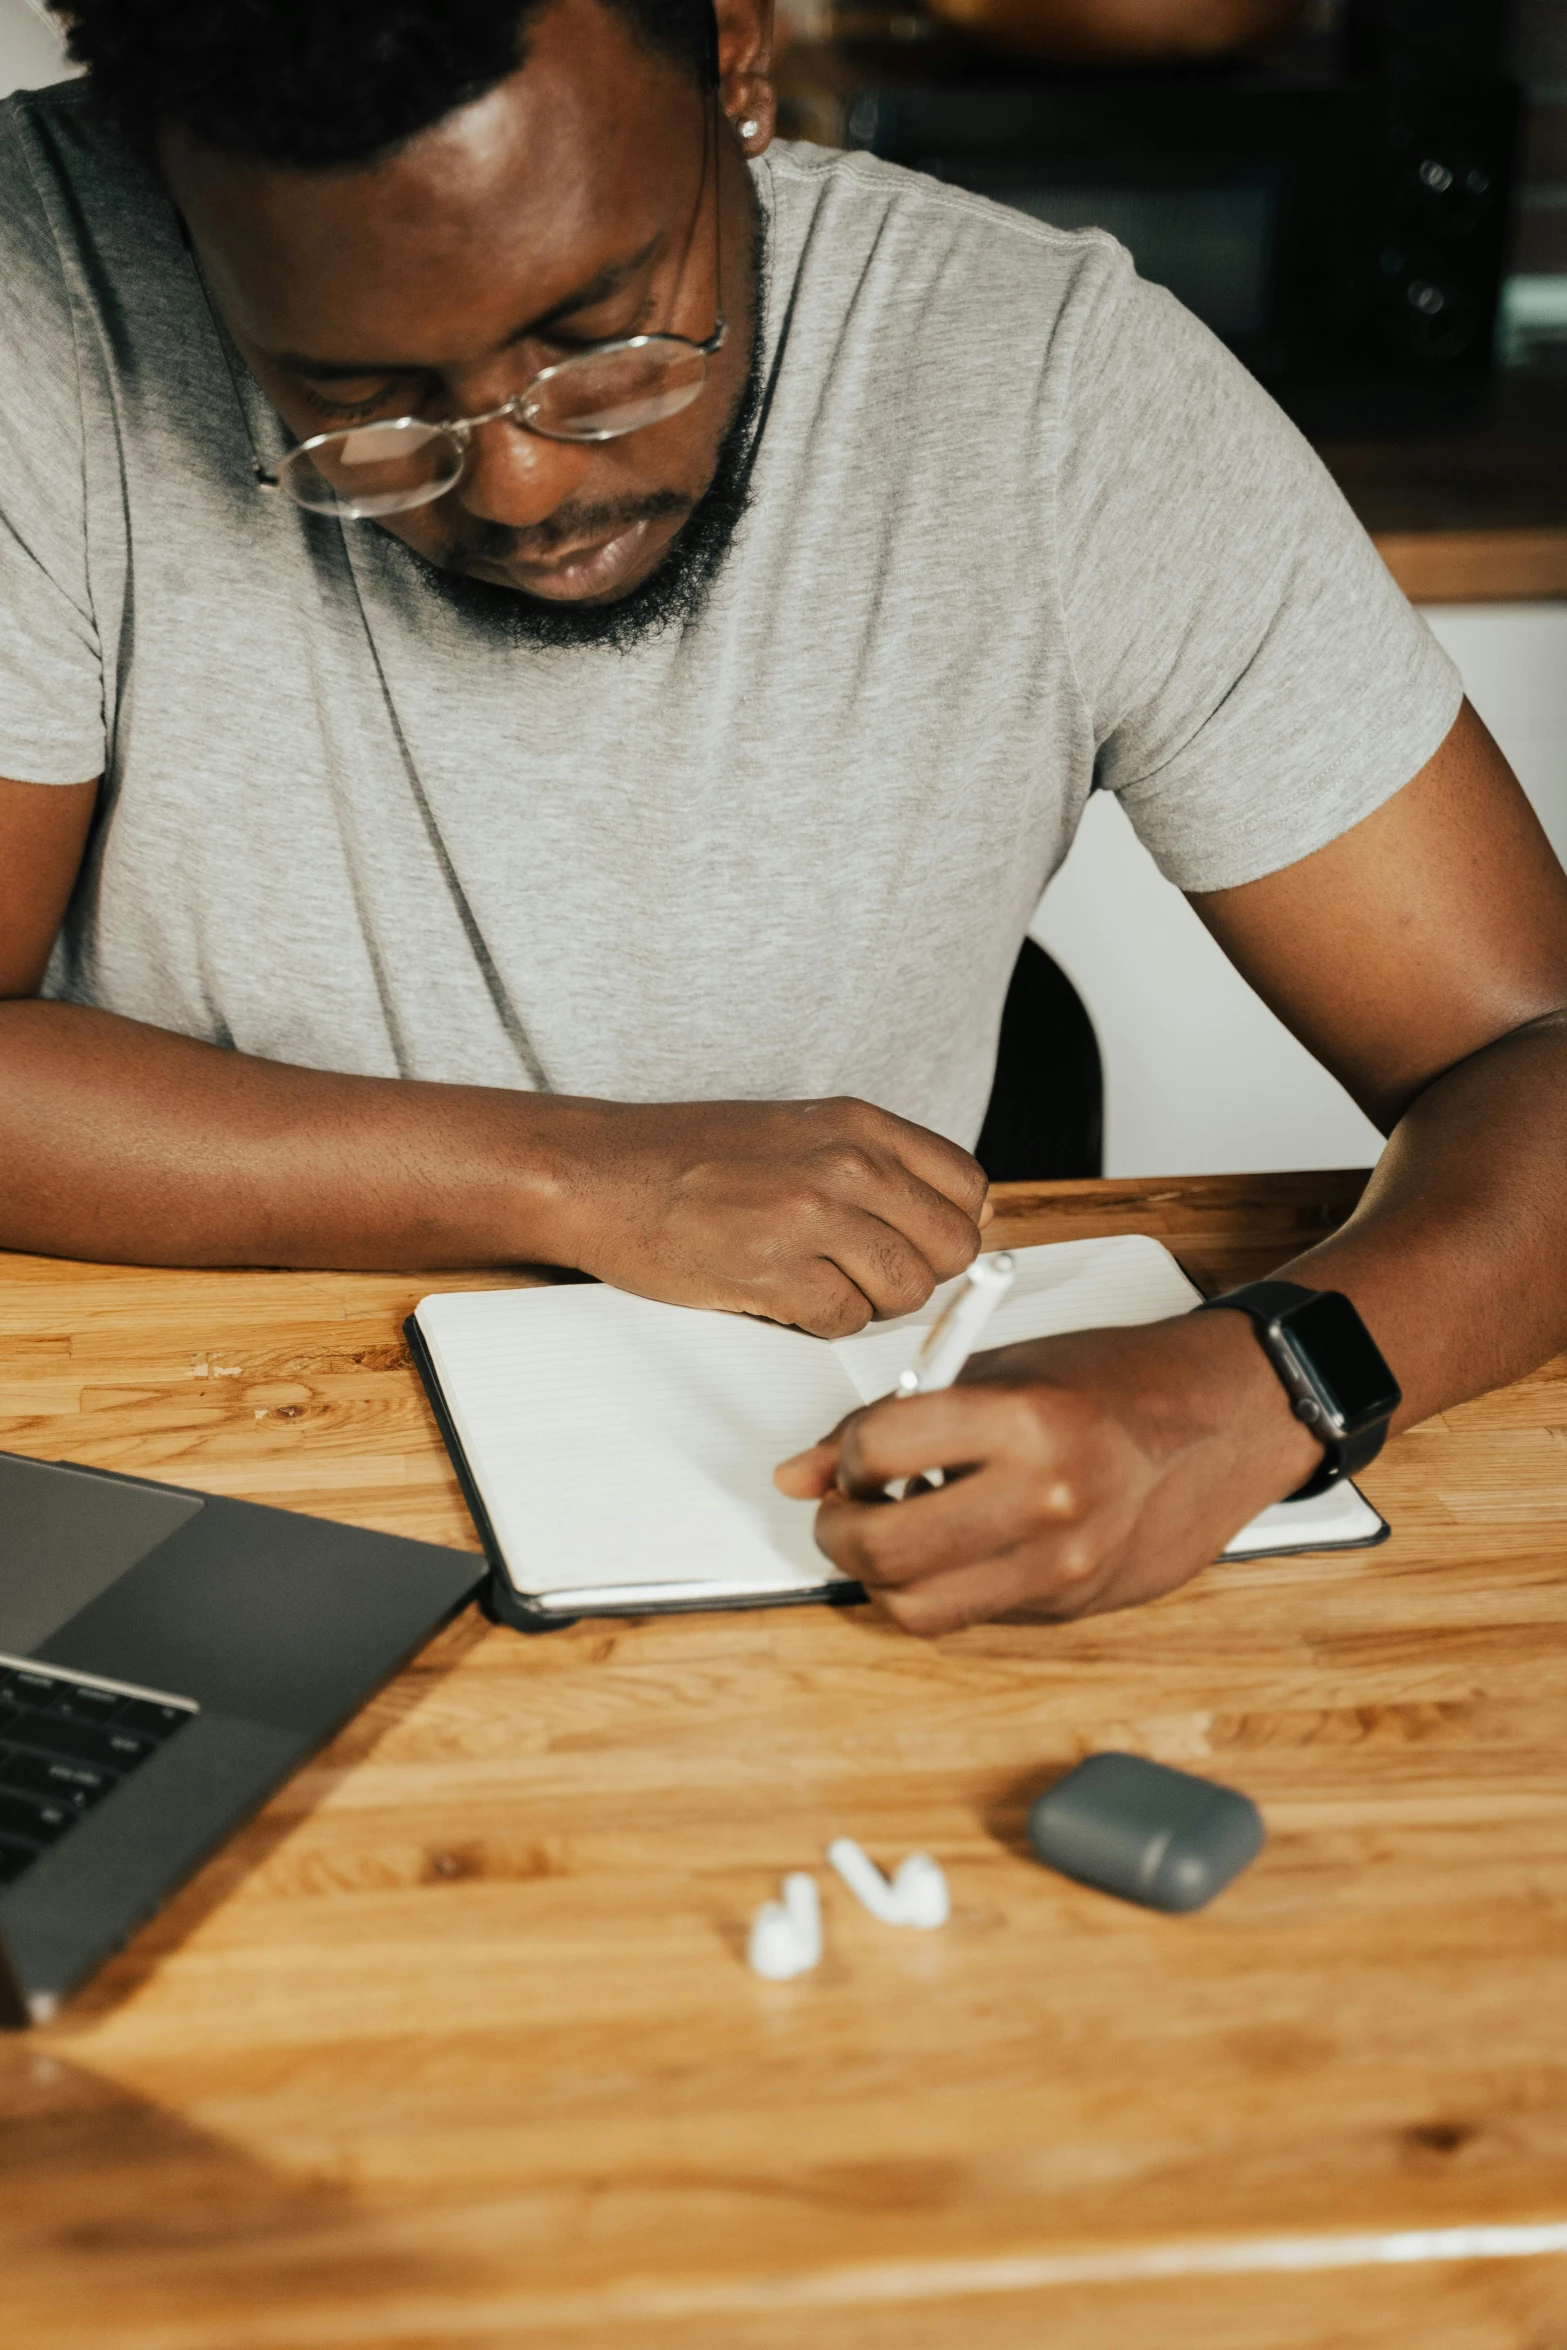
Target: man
[{"x": 550, "y": 648}]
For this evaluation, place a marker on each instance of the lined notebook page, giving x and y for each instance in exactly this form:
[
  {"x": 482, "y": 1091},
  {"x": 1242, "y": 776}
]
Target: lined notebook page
[
  {"x": 624, "y": 1450},
  {"x": 1064, "y": 1285}
]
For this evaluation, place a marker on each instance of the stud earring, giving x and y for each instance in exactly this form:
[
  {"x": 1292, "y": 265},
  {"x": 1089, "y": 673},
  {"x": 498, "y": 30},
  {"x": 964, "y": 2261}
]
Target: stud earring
[{"x": 749, "y": 128}]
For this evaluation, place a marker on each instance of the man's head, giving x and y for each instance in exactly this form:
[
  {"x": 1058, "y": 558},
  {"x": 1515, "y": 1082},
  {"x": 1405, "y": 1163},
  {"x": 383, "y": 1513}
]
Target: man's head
[{"x": 411, "y": 207}]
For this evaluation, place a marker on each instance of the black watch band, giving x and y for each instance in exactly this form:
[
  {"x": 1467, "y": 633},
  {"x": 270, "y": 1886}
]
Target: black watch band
[{"x": 1329, "y": 1366}]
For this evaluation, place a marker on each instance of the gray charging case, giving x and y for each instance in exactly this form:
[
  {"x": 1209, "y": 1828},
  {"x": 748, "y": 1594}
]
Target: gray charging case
[{"x": 1145, "y": 1832}]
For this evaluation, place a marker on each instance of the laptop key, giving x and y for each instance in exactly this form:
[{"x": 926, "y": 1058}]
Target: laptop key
[
  {"x": 87, "y": 1705},
  {"x": 33, "y": 1817},
  {"x": 81, "y": 1785},
  {"x": 64, "y": 1746},
  {"x": 116, "y": 1750},
  {"x": 149, "y": 1719},
  {"x": 33, "y": 1688}
]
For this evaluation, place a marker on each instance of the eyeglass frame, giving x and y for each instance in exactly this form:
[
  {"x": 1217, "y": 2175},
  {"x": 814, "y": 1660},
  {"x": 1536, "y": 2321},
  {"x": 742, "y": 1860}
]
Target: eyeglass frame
[{"x": 462, "y": 428}]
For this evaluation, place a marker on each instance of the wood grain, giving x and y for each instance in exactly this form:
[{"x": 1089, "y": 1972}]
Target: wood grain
[
  {"x": 456, "y": 2045},
  {"x": 1476, "y": 566}
]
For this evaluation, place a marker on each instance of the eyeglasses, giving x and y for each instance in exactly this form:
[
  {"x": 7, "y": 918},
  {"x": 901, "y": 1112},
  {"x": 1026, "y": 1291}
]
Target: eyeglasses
[{"x": 598, "y": 394}]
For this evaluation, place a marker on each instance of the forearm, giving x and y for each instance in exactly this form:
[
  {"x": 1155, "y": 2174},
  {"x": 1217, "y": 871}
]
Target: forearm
[
  {"x": 122, "y": 1142},
  {"x": 1457, "y": 1254}
]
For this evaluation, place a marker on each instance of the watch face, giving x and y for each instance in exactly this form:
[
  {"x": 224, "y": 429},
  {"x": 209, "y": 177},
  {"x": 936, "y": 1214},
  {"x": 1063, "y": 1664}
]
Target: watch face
[{"x": 1332, "y": 1344}]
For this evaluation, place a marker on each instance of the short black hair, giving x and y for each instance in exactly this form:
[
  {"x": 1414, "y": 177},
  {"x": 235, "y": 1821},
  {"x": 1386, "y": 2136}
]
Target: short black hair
[{"x": 315, "y": 83}]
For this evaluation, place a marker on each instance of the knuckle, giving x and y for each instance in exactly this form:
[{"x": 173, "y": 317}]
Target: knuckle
[
  {"x": 915, "y": 1613},
  {"x": 1075, "y": 1563},
  {"x": 973, "y": 1182},
  {"x": 1059, "y": 1497},
  {"x": 1024, "y": 1417},
  {"x": 861, "y": 1117},
  {"x": 876, "y": 1556},
  {"x": 967, "y": 1179},
  {"x": 954, "y": 1244},
  {"x": 906, "y": 1282},
  {"x": 848, "y": 1165},
  {"x": 842, "y": 1114},
  {"x": 837, "y": 1317}
]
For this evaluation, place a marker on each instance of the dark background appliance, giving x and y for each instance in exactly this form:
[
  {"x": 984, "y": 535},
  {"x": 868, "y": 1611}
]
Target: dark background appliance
[{"x": 1336, "y": 212}]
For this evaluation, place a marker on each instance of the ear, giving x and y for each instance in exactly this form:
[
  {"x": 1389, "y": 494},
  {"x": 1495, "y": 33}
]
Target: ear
[{"x": 745, "y": 67}]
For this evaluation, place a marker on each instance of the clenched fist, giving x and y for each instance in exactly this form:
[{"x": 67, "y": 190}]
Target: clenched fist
[{"x": 818, "y": 1213}]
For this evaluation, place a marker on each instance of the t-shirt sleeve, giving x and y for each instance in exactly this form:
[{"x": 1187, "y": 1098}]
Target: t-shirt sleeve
[
  {"x": 51, "y": 671},
  {"x": 1255, "y": 680}
]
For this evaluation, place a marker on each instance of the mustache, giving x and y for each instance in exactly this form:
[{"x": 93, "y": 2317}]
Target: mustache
[{"x": 572, "y": 526}]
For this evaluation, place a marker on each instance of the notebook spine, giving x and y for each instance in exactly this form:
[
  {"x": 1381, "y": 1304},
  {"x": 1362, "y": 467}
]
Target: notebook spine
[{"x": 500, "y": 1599}]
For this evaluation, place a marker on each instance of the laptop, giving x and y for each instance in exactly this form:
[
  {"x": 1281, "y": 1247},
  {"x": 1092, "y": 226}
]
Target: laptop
[{"x": 167, "y": 1658}]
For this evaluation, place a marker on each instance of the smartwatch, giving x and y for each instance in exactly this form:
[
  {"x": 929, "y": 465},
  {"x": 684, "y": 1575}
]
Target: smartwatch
[{"x": 1330, "y": 1367}]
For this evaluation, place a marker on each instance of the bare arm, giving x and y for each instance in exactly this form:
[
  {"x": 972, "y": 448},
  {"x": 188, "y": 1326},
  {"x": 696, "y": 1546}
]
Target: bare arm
[
  {"x": 121, "y": 1141},
  {"x": 1423, "y": 957}
]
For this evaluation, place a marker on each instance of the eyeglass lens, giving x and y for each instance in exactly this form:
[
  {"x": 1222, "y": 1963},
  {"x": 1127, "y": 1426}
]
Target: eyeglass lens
[
  {"x": 374, "y": 469},
  {"x": 393, "y": 467}
]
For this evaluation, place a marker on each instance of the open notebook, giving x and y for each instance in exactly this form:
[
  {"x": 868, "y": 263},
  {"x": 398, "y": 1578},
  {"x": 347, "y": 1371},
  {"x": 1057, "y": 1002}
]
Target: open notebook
[{"x": 618, "y": 1455}]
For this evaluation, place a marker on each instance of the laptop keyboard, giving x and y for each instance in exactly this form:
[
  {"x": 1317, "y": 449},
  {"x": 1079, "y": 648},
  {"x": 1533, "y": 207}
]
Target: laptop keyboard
[{"x": 65, "y": 1744}]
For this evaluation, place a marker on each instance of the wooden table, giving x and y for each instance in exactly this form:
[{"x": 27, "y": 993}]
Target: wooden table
[{"x": 456, "y": 2044}]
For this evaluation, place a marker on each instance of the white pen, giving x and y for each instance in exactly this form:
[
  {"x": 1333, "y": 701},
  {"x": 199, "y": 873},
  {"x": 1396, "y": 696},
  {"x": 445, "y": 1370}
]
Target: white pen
[
  {"x": 953, "y": 1335},
  {"x": 957, "y": 1329}
]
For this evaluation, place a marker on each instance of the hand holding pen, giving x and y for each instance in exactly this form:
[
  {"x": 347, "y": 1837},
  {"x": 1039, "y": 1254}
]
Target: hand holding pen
[
  {"x": 955, "y": 1333},
  {"x": 943, "y": 1351},
  {"x": 1098, "y": 1468}
]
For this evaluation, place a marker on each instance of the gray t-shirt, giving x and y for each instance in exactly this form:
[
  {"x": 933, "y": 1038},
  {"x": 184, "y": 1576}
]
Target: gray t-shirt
[{"x": 1020, "y": 527}]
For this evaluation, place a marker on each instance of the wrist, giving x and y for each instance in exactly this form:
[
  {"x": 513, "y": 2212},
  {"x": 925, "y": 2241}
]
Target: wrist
[
  {"x": 541, "y": 1154},
  {"x": 1271, "y": 1443},
  {"x": 1195, "y": 1385}
]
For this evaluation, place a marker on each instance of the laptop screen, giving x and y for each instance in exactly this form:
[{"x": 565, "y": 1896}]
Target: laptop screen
[{"x": 65, "y": 1536}]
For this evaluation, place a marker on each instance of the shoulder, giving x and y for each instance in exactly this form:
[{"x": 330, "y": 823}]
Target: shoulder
[
  {"x": 899, "y": 241},
  {"x": 49, "y": 134},
  {"x": 65, "y": 168},
  {"x": 30, "y": 259}
]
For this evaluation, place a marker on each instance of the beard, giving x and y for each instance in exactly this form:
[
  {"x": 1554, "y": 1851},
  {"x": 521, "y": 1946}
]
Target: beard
[{"x": 672, "y": 597}]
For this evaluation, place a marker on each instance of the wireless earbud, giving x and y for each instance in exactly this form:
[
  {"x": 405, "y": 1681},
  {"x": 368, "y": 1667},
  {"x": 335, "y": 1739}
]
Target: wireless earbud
[
  {"x": 786, "y": 1936},
  {"x": 917, "y": 1895}
]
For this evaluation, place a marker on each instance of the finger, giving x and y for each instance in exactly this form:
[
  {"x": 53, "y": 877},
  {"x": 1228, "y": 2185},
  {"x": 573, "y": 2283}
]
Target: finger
[
  {"x": 974, "y": 1594},
  {"x": 946, "y": 1236},
  {"x": 885, "y": 1545},
  {"x": 807, "y": 1475},
  {"x": 819, "y": 1298},
  {"x": 940, "y": 1164},
  {"x": 855, "y": 1181},
  {"x": 955, "y": 1428},
  {"x": 887, "y": 1268}
]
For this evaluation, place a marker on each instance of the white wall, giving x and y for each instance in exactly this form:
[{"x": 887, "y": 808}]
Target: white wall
[
  {"x": 1200, "y": 1078},
  {"x": 31, "y": 51}
]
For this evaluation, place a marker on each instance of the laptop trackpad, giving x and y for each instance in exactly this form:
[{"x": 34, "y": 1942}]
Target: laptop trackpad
[{"x": 65, "y": 1537}]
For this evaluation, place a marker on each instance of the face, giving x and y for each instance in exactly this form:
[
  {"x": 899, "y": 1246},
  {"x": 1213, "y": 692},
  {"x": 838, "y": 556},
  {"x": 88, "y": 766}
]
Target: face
[{"x": 582, "y": 200}]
